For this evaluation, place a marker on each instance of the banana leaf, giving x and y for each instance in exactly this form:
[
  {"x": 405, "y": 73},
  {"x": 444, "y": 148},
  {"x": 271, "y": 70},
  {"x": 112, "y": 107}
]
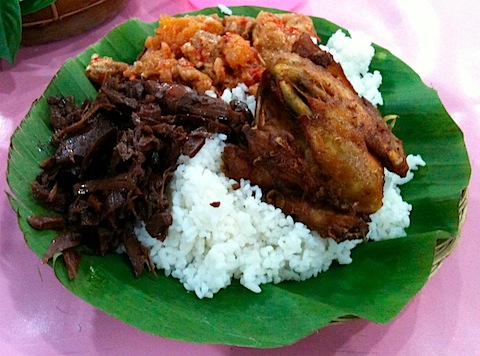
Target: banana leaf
[{"x": 383, "y": 277}]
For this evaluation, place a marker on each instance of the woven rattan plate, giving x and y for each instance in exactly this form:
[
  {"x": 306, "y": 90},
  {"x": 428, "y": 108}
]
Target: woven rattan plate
[
  {"x": 443, "y": 249},
  {"x": 66, "y": 18},
  {"x": 267, "y": 332}
]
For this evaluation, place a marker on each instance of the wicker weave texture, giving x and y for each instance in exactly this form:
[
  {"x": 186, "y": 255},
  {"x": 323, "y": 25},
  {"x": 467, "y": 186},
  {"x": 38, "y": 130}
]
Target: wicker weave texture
[
  {"x": 66, "y": 18},
  {"x": 443, "y": 249}
]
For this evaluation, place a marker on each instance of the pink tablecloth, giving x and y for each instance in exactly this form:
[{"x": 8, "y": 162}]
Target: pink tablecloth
[{"x": 439, "y": 39}]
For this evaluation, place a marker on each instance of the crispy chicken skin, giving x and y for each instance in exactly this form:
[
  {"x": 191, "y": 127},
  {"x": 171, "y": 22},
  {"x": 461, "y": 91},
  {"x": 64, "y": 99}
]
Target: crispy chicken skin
[
  {"x": 316, "y": 147},
  {"x": 378, "y": 136},
  {"x": 279, "y": 158}
]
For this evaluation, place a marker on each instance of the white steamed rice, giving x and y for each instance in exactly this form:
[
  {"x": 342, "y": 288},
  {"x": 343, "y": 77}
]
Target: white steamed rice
[
  {"x": 391, "y": 220},
  {"x": 246, "y": 239},
  {"x": 225, "y": 10},
  {"x": 355, "y": 53}
]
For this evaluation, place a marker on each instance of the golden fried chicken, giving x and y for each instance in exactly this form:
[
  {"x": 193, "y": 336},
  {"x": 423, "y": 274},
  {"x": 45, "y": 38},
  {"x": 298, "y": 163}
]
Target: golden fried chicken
[
  {"x": 378, "y": 136},
  {"x": 316, "y": 147}
]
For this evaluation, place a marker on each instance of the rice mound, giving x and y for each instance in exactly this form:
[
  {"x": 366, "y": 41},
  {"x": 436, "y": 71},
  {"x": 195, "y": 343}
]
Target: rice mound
[
  {"x": 391, "y": 220},
  {"x": 240, "y": 93},
  {"x": 355, "y": 53},
  {"x": 242, "y": 238},
  {"x": 222, "y": 230}
]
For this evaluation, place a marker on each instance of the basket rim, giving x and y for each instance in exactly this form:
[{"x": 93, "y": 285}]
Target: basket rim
[
  {"x": 443, "y": 249},
  {"x": 58, "y": 17}
]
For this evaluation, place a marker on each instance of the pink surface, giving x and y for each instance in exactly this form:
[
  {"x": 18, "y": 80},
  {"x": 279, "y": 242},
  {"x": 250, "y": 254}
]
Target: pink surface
[
  {"x": 439, "y": 39},
  {"x": 277, "y": 4}
]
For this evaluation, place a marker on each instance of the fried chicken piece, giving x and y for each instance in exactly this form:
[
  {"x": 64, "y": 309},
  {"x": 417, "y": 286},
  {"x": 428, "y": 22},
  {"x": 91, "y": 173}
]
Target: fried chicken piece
[
  {"x": 354, "y": 176},
  {"x": 283, "y": 186},
  {"x": 307, "y": 49},
  {"x": 279, "y": 159},
  {"x": 328, "y": 222},
  {"x": 317, "y": 146},
  {"x": 307, "y": 87}
]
